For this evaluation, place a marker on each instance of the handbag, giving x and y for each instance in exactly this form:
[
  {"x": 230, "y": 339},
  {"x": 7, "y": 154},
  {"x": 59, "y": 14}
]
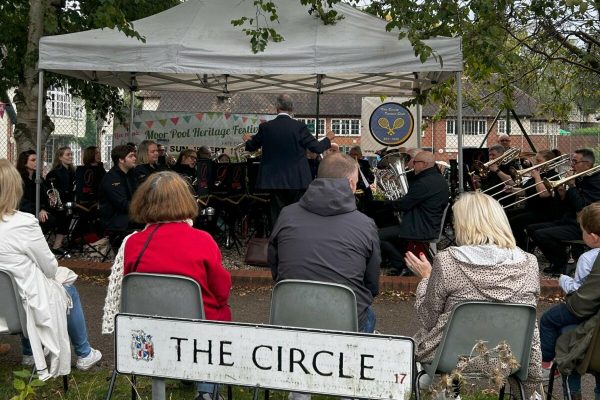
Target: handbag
[
  {"x": 137, "y": 262},
  {"x": 256, "y": 252}
]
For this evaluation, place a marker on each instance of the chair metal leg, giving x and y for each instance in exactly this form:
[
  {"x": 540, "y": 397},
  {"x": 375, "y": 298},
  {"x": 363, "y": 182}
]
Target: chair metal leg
[
  {"x": 229, "y": 392},
  {"x": 133, "y": 387},
  {"x": 111, "y": 385},
  {"x": 551, "y": 382},
  {"x": 417, "y": 384},
  {"x": 266, "y": 394},
  {"x": 32, "y": 374},
  {"x": 66, "y": 383},
  {"x": 501, "y": 392}
]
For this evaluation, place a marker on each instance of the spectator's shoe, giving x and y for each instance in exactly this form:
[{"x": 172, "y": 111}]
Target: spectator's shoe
[
  {"x": 27, "y": 361},
  {"x": 4, "y": 348},
  {"x": 58, "y": 251},
  {"x": 546, "y": 372},
  {"x": 87, "y": 362}
]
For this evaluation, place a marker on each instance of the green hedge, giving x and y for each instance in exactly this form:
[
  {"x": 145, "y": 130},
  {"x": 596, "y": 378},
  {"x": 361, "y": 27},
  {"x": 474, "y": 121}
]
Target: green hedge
[{"x": 594, "y": 131}]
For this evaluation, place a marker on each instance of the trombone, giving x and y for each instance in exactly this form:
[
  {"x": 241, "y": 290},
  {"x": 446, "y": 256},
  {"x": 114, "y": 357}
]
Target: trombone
[
  {"x": 483, "y": 170},
  {"x": 551, "y": 185},
  {"x": 517, "y": 174}
]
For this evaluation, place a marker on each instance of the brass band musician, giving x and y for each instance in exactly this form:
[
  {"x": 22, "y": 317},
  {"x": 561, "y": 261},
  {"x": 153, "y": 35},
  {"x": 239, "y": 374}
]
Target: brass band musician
[
  {"x": 583, "y": 190},
  {"x": 498, "y": 173},
  {"x": 540, "y": 208}
]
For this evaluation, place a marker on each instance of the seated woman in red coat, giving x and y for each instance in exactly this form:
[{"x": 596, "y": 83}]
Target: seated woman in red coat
[{"x": 164, "y": 203}]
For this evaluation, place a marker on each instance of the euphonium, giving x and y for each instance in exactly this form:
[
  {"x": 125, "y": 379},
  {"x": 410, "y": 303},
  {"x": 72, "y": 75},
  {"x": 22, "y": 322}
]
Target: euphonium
[
  {"x": 54, "y": 198},
  {"x": 392, "y": 180}
]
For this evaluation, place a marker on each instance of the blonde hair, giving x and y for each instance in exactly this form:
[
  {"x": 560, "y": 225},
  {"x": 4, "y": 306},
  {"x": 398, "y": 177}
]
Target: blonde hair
[
  {"x": 480, "y": 219},
  {"x": 11, "y": 188},
  {"x": 142, "y": 151},
  {"x": 163, "y": 197},
  {"x": 59, "y": 153}
]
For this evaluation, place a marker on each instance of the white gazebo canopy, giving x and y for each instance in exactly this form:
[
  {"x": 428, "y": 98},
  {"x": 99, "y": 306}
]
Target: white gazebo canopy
[{"x": 194, "y": 46}]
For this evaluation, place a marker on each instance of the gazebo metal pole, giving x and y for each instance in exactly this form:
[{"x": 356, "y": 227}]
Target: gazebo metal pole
[
  {"x": 418, "y": 126},
  {"x": 131, "y": 110},
  {"x": 319, "y": 77},
  {"x": 38, "y": 146},
  {"x": 459, "y": 133}
]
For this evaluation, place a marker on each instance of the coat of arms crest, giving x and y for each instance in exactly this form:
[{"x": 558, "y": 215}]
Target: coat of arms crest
[{"x": 142, "y": 347}]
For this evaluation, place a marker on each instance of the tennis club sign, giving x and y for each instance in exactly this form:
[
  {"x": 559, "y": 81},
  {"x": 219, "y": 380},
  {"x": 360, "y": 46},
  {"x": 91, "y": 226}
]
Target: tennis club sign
[{"x": 327, "y": 362}]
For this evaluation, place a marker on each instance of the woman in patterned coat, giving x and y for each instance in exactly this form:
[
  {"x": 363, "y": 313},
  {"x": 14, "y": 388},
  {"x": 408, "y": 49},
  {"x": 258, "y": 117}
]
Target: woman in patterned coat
[{"x": 485, "y": 266}]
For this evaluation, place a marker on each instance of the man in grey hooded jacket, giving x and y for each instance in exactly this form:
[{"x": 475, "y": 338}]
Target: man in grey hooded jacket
[{"x": 323, "y": 237}]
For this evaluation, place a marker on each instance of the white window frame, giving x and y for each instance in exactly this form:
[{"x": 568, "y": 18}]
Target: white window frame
[
  {"x": 346, "y": 126},
  {"x": 537, "y": 127},
  {"x": 59, "y": 102},
  {"x": 471, "y": 127},
  {"x": 501, "y": 127},
  {"x": 311, "y": 121}
]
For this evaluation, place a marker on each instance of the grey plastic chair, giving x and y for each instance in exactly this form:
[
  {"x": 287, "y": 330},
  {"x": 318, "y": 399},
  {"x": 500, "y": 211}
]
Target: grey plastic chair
[
  {"x": 13, "y": 313},
  {"x": 433, "y": 243},
  {"x": 312, "y": 304},
  {"x": 161, "y": 295},
  {"x": 491, "y": 322}
]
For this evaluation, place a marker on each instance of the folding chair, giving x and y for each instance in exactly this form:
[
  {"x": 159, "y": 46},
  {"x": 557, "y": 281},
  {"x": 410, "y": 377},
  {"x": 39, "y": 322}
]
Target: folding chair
[
  {"x": 312, "y": 304},
  {"x": 433, "y": 243},
  {"x": 13, "y": 314},
  {"x": 160, "y": 295},
  {"x": 471, "y": 322},
  {"x": 590, "y": 363}
]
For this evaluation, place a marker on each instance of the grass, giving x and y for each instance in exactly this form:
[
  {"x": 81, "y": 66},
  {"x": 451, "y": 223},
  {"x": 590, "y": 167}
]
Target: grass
[{"x": 92, "y": 385}]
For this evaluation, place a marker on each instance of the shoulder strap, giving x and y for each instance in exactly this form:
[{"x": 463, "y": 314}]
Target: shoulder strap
[{"x": 144, "y": 248}]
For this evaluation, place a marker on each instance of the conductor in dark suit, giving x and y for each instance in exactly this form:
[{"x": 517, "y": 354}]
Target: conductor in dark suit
[{"x": 284, "y": 171}]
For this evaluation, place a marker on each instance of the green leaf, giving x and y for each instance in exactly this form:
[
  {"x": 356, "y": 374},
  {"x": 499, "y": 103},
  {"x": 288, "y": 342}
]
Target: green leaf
[
  {"x": 19, "y": 385},
  {"x": 37, "y": 383},
  {"x": 25, "y": 374}
]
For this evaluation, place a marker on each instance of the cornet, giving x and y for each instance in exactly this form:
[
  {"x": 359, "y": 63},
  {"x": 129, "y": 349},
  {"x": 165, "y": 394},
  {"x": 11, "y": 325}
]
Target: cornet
[{"x": 54, "y": 198}]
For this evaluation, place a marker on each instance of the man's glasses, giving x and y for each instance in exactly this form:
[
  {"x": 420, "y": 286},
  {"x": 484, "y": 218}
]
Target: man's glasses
[{"x": 574, "y": 161}]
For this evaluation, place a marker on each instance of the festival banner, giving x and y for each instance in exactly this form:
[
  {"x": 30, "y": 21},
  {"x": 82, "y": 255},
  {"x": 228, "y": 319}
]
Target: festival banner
[{"x": 179, "y": 130}]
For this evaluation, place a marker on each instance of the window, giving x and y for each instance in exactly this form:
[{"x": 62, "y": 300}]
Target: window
[
  {"x": 470, "y": 126},
  {"x": 310, "y": 122},
  {"x": 345, "y": 127},
  {"x": 58, "y": 102},
  {"x": 501, "y": 126},
  {"x": 538, "y": 127}
]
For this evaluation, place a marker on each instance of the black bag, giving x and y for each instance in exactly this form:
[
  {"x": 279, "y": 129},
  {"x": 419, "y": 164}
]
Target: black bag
[{"x": 256, "y": 252}]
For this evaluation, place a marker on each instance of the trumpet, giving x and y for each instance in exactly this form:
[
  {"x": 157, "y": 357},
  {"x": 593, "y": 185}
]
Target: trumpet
[
  {"x": 54, "y": 198},
  {"x": 483, "y": 170},
  {"x": 517, "y": 175}
]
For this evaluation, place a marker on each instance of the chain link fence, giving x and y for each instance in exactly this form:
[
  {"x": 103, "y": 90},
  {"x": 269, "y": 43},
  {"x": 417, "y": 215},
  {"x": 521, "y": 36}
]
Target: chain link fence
[{"x": 75, "y": 126}]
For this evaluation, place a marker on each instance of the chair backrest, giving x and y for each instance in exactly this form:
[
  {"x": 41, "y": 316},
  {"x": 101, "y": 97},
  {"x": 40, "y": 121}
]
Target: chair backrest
[
  {"x": 312, "y": 304},
  {"x": 161, "y": 295},
  {"x": 491, "y": 322},
  {"x": 12, "y": 313},
  {"x": 442, "y": 224}
]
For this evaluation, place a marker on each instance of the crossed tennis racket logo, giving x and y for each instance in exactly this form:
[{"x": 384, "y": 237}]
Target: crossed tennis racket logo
[{"x": 384, "y": 123}]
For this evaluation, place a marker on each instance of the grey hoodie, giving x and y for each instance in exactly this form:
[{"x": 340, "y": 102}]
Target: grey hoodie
[{"x": 324, "y": 238}]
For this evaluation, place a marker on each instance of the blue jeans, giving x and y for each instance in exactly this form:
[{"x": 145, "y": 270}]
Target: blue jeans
[
  {"x": 368, "y": 325},
  {"x": 75, "y": 326},
  {"x": 551, "y": 324}
]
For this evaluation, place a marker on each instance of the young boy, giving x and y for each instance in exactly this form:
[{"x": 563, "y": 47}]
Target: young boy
[{"x": 581, "y": 303}]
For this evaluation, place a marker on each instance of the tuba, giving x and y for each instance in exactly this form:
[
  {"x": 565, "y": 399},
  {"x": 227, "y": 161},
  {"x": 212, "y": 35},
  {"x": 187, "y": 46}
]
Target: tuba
[{"x": 392, "y": 179}]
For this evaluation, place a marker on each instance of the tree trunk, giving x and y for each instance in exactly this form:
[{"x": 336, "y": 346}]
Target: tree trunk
[{"x": 26, "y": 95}]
